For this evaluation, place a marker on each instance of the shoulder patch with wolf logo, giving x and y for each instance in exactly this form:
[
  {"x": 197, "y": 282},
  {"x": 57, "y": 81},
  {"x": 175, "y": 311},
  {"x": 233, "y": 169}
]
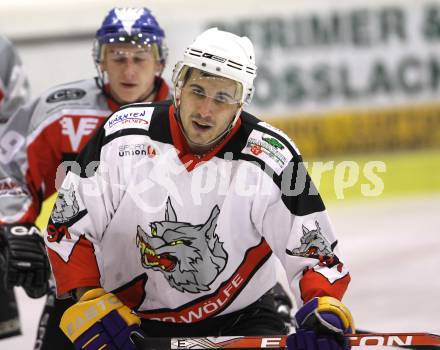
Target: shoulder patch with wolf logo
[
  {"x": 315, "y": 245},
  {"x": 66, "y": 206},
  {"x": 189, "y": 256}
]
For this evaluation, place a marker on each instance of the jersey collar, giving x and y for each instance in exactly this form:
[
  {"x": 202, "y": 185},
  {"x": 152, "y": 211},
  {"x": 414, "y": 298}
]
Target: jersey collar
[{"x": 189, "y": 159}]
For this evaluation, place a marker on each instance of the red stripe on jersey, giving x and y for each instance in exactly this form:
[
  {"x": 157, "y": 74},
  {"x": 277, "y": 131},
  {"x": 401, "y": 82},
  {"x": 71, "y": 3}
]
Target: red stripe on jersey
[
  {"x": 212, "y": 304},
  {"x": 313, "y": 284},
  {"x": 80, "y": 270},
  {"x": 189, "y": 159}
]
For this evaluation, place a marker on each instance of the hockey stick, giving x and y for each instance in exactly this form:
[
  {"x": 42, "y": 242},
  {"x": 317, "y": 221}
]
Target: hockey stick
[
  {"x": 262, "y": 342},
  {"x": 412, "y": 346}
]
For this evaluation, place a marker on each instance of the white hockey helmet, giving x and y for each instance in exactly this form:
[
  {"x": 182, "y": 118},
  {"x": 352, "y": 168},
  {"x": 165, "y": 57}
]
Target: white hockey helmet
[{"x": 220, "y": 53}]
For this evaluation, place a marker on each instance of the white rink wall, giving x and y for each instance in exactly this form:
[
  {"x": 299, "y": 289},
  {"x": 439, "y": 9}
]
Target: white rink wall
[{"x": 304, "y": 66}]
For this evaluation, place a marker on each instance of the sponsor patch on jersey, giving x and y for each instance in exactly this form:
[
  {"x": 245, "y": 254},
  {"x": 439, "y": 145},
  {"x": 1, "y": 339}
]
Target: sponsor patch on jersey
[
  {"x": 135, "y": 117},
  {"x": 269, "y": 149},
  {"x": 281, "y": 133},
  {"x": 137, "y": 149},
  {"x": 8, "y": 187},
  {"x": 65, "y": 95}
]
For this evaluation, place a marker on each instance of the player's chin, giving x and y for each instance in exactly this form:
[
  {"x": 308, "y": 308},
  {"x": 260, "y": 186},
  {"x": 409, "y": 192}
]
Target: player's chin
[
  {"x": 201, "y": 136},
  {"x": 130, "y": 97}
]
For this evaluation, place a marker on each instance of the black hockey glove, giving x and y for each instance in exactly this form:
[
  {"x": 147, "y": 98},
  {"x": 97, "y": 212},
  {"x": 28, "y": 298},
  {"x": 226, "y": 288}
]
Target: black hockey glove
[
  {"x": 25, "y": 260},
  {"x": 283, "y": 304}
]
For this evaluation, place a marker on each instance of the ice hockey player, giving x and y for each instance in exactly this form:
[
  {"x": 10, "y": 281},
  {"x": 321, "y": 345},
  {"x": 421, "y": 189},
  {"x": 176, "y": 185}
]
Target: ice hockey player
[
  {"x": 14, "y": 92},
  {"x": 14, "y": 82},
  {"x": 130, "y": 54},
  {"x": 170, "y": 222}
]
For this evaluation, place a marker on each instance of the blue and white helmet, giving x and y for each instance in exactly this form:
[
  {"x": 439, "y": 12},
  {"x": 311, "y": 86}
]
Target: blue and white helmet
[{"x": 137, "y": 26}]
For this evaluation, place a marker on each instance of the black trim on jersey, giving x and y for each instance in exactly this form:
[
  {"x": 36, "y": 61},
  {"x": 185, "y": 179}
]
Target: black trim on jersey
[
  {"x": 249, "y": 119},
  {"x": 159, "y": 124},
  {"x": 40, "y": 195},
  {"x": 90, "y": 153},
  {"x": 301, "y": 204},
  {"x": 124, "y": 132},
  {"x": 68, "y": 156},
  {"x": 160, "y": 129}
]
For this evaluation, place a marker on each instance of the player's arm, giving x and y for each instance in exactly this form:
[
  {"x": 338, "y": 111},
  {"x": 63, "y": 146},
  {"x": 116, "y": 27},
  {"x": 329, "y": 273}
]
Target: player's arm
[
  {"x": 306, "y": 245},
  {"x": 81, "y": 214},
  {"x": 14, "y": 84},
  {"x": 79, "y": 218},
  {"x": 25, "y": 260}
]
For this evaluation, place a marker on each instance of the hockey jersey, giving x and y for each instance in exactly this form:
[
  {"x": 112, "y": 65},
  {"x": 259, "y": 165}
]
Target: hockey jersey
[
  {"x": 41, "y": 140},
  {"x": 180, "y": 237}
]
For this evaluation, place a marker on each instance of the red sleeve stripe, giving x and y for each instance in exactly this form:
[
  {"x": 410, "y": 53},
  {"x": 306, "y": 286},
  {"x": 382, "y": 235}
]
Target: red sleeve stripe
[
  {"x": 313, "y": 284},
  {"x": 81, "y": 270}
]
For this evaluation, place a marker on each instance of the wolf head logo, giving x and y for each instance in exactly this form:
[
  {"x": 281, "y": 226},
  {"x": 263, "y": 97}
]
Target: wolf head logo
[
  {"x": 315, "y": 245},
  {"x": 66, "y": 206},
  {"x": 190, "y": 256}
]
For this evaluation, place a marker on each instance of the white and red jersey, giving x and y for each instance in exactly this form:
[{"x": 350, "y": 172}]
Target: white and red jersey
[
  {"x": 14, "y": 84},
  {"x": 42, "y": 135},
  {"x": 181, "y": 238}
]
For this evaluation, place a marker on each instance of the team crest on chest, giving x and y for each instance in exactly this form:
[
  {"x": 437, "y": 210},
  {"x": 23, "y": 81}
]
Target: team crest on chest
[{"x": 189, "y": 256}]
